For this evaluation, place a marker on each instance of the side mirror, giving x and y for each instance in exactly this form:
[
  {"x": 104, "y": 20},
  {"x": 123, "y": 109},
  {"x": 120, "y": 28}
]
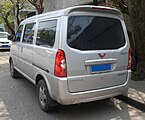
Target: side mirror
[{"x": 11, "y": 37}]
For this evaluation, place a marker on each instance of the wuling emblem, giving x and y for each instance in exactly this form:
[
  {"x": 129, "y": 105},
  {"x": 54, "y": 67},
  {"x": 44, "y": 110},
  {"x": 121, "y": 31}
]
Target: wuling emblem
[{"x": 102, "y": 55}]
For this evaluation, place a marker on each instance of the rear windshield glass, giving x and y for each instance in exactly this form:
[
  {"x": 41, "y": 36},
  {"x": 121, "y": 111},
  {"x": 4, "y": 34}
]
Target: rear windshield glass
[{"x": 94, "y": 33}]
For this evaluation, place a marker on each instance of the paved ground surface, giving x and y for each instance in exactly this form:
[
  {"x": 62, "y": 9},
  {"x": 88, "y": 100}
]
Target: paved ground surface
[{"x": 18, "y": 102}]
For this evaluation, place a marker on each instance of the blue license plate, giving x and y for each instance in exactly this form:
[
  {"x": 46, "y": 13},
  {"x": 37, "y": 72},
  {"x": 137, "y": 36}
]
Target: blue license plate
[
  {"x": 102, "y": 67},
  {"x": 5, "y": 46}
]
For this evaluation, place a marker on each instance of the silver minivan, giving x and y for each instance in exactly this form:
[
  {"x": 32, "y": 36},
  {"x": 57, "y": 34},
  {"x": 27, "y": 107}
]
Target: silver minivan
[{"x": 75, "y": 55}]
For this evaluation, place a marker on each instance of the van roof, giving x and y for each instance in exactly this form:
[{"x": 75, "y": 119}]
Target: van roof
[{"x": 66, "y": 11}]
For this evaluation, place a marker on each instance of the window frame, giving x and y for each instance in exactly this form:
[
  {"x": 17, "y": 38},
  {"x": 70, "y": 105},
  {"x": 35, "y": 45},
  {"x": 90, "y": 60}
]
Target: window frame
[
  {"x": 24, "y": 28},
  {"x": 21, "y": 33},
  {"x": 56, "y": 34}
]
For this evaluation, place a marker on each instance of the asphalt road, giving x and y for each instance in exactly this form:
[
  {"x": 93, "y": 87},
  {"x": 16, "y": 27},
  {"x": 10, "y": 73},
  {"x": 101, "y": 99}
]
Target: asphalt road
[{"x": 18, "y": 102}]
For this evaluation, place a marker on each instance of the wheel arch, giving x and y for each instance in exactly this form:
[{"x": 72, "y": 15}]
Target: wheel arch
[{"x": 39, "y": 77}]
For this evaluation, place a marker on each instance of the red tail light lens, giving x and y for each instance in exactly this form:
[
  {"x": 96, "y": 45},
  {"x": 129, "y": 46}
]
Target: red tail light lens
[
  {"x": 60, "y": 64},
  {"x": 129, "y": 59}
]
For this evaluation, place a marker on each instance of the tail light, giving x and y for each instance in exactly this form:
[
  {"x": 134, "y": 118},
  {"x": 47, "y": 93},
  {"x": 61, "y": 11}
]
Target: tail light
[
  {"x": 60, "y": 64},
  {"x": 129, "y": 59}
]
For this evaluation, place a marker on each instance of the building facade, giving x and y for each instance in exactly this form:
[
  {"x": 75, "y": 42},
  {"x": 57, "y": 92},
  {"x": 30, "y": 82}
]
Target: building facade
[{"x": 50, "y": 5}]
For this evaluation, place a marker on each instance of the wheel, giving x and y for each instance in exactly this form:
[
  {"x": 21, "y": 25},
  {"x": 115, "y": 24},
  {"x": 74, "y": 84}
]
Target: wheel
[
  {"x": 46, "y": 103},
  {"x": 13, "y": 72}
]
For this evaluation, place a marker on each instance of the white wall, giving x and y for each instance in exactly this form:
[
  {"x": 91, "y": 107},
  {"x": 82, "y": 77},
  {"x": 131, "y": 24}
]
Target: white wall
[{"x": 50, "y": 5}]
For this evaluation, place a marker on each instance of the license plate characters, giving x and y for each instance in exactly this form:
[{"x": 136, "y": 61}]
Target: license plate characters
[{"x": 101, "y": 67}]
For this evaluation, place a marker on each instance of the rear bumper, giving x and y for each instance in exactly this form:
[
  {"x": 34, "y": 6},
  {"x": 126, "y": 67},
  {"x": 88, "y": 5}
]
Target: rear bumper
[{"x": 61, "y": 94}]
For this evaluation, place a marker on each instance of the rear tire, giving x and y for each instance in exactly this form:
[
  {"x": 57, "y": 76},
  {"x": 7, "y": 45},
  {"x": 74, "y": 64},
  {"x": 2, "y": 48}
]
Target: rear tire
[
  {"x": 46, "y": 103},
  {"x": 13, "y": 72}
]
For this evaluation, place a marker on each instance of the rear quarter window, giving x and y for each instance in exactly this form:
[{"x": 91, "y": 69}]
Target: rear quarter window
[
  {"x": 94, "y": 33},
  {"x": 46, "y": 33}
]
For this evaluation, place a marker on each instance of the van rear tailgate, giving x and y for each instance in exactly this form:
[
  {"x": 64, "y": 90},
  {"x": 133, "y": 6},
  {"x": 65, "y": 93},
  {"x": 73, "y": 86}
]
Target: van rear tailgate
[
  {"x": 98, "y": 73},
  {"x": 96, "y": 51}
]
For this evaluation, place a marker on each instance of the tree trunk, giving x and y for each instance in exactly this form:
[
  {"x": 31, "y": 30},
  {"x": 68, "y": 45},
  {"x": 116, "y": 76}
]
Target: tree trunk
[
  {"x": 137, "y": 16},
  {"x": 39, "y": 9},
  {"x": 17, "y": 14},
  {"x": 38, "y": 5},
  {"x": 9, "y": 26}
]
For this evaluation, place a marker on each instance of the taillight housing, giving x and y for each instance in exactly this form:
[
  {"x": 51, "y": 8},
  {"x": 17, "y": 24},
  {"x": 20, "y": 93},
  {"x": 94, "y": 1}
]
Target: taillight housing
[
  {"x": 129, "y": 59},
  {"x": 60, "y": 69}
]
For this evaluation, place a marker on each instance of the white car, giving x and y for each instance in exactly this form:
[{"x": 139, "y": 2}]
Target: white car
[{"x": 4, "y": 42}]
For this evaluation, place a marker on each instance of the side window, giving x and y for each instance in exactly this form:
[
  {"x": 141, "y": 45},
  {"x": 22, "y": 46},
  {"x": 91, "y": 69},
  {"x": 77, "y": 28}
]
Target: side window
[
  {"x": 18, "y": 34},
  {"x": 29, "y": 33},
  {"x": 46, "y": 33}
]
